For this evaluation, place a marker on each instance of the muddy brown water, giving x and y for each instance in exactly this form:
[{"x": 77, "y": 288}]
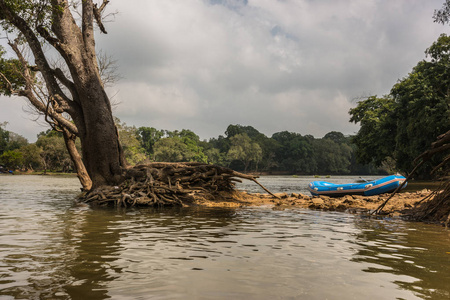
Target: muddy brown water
[{"x": 52, "y": 248}]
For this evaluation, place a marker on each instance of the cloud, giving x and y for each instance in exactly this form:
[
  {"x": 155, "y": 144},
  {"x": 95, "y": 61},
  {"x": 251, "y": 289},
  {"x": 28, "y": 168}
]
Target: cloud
[{"x": 293, "y": 65}]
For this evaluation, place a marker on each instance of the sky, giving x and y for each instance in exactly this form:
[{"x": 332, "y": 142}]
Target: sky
[{"x": 295, "y": 65}]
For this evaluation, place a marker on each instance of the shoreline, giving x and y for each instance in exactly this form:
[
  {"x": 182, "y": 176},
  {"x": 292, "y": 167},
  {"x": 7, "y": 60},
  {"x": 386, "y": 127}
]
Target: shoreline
[{"x": 400, "y": 205}]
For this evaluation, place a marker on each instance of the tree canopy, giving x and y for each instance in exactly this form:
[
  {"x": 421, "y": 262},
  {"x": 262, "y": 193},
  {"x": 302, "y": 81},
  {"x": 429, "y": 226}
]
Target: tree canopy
[{"x": 404, "y": 123}]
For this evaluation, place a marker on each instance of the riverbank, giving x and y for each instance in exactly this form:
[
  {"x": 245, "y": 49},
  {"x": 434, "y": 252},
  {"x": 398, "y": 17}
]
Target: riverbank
[{"x": 399, "y": 205}]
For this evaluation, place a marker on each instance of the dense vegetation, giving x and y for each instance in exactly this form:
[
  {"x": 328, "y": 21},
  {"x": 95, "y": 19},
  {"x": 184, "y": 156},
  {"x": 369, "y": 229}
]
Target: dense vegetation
[
  {"x": 401, "y": 125},
  {"x": 243, "y": 148}
]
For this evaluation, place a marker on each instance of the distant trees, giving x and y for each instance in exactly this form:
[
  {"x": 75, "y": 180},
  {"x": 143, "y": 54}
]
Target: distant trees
[
  {"x": 4, "y": 137},
  {"x": 148, "y": 136},
  {"x": 243, "y": 148},
  {"x": 11, "y": 159},
  {"x": 293, "y": 153},
  {"x": 10, "y": 142},
  {"x": 132, "y": 148},
  {"x": 403, "y": 124},
  {"x": 53, "y": 153},
  {"x": 375, "y": 140},
  {"x": 180, "y": 146},
  {"x": 32, "y": 157}
]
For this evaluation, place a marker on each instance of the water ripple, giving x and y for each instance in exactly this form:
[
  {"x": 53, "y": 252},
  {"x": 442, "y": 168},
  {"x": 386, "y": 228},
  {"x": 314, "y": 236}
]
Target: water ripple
[{"x": 51, "y": 248}]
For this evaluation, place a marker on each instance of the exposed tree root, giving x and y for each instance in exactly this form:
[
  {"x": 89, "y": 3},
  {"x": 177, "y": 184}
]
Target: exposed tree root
[
  {"x": 435, "y": 210},
  {"x": 168, "y": 184},
  {"x": 438, "y": 208}
]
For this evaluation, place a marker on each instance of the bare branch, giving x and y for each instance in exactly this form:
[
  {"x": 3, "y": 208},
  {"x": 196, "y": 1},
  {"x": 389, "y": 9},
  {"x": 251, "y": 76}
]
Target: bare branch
[
  {"x": 108, "y": 69},
  {"x": 9, "y": 85},
  {"x": 98, "y": 15},
  {"x": 102, "y": 7},
  {"x": 39, "y": 103}
]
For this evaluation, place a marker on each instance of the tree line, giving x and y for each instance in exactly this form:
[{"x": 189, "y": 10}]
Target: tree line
[{"x": 242, "y": 148}]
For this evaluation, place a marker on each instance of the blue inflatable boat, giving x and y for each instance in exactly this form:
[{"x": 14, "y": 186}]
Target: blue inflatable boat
[{"x": 379, "y": 186}]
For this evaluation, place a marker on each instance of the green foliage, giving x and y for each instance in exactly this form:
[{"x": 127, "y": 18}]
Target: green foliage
[
  {"x": 16, "y": 141},
  {"x": 49, "y": 133},
  {"x": 171, "y": 149},
  {"x": 375, "y": 140},
  {"x": 4, "y": 138},
  {"x": 403, "y": 124},
  {"x": 12, "y": 70},
  {"x": 215, "y": 157},
  {"x": 221, "y": 143},
  {"x": 179, "y": 146},
  {"x": 148, "y": 136},
  {"x": 244, "y": 150},
  {"x": 336, "y": 161},
  {"x": 283, "y": 152},
  {"x": 54, "y": 153},
  {"x": 33, "y": 12},
  {"x": 233, "y": 130},
  {"x": 295, "y": 152},
  {"x": 10, "y": 140},
  {"x": 12, "y": 159},
  {"x": 32, "y": 159},
  {"x": 443, "y": 15},
  {"x": 131, "y": 145},
  {"x": 337, "y": 137}
]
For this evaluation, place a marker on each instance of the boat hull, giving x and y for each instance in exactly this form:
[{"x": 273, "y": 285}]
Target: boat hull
[{"x": 383, "y": 185}]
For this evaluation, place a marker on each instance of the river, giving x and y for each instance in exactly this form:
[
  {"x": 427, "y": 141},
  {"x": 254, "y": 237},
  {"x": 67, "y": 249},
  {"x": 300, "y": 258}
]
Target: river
[{"x": 53, "y": 248}]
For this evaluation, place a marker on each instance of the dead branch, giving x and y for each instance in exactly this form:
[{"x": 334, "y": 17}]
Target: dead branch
[
  {"x": 169, "y": 184},
  {"x": 440, "y": 145}
]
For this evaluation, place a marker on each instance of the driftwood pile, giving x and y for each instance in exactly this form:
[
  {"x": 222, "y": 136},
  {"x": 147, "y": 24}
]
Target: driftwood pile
[
  {"x": 435, "y": 210},
  {"x": 435, "y": 207},
  {"x": 438, "y": 208},
  {"x": 168, "y": 184}
]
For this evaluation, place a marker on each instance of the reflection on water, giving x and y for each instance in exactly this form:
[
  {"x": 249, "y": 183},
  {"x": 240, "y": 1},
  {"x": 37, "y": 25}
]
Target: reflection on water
[
  {"x": 417, "y": 254},
  {"x": 51, "y": 248}
]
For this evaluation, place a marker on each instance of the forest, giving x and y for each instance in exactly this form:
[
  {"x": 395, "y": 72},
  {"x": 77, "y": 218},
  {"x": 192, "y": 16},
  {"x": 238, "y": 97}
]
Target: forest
[{"x": 242, "y": 148}]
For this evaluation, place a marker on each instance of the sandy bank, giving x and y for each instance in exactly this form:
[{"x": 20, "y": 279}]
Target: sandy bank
[{"x": 400, "y": 204}]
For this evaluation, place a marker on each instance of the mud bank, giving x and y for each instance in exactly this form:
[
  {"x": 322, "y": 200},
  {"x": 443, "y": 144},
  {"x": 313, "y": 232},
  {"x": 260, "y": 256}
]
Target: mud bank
[{"x": 400, "y": 205}]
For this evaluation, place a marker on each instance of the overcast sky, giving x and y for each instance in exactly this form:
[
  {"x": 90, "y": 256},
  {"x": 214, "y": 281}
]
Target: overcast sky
[{"x": 295, "y": 65}]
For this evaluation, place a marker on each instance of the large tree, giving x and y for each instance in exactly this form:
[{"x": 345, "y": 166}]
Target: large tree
[{"x": 74, "y": 99}]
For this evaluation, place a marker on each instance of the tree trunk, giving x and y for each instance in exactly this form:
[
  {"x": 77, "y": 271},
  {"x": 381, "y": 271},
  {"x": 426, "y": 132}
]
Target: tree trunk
[
  {"x": 99, "y": 140},
  {"x": 81, "y": 95},
  {"x": 80, "y": 169},
  {"x": 94, "y": 120}
]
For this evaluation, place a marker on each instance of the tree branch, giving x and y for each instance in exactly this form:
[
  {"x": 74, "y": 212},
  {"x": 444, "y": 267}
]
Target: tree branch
[
  {"x": 9, "y": 85},
  {"x": 39, "y": 105},
  {"x": 35, "y": 46},
  {"x": 98, "y": 15},
  {"x": 59, "y": 74},
  {"x": 87, "y": 22}
]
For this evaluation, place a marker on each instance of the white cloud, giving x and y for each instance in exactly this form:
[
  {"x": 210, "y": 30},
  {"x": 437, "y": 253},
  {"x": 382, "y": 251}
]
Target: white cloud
[{"x": 291, "y": 65}]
